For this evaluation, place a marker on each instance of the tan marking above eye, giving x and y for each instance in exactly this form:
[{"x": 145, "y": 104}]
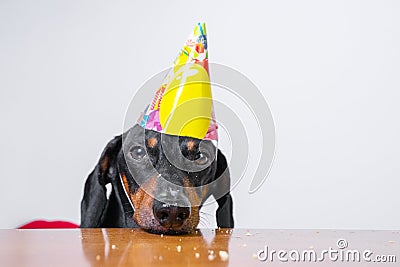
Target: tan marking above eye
[
  {"x": 152, "y": 142},
  {"x": 191, "y": 145}
]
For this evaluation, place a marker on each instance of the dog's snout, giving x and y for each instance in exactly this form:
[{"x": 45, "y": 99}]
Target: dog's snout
[{"x": 170, "y": 216}]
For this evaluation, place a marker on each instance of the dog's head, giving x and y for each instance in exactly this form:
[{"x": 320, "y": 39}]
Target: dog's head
[{"x": 165, "y": 178}]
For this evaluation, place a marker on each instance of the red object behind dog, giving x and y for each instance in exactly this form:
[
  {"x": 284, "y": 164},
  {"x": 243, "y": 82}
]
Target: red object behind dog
[{"x": 41, "y": 224}]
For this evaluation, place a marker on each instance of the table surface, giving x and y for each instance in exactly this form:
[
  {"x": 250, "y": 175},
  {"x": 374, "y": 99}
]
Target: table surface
[{"x": 220, "y": 247}]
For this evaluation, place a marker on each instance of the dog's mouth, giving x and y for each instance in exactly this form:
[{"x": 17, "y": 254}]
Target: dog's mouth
[
  {"x": 156, "y": 228},
  {"x": 159, "y": 229}
]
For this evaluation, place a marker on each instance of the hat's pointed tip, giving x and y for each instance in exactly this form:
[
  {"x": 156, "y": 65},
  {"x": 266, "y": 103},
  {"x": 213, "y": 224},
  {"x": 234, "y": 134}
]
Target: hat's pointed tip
[
  {"x": 195, "y": 48},
  {"x": 200, "y": 28}
]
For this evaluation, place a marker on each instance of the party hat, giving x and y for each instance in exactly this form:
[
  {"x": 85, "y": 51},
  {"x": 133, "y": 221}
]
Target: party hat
[{"x": 183, "y": 103}]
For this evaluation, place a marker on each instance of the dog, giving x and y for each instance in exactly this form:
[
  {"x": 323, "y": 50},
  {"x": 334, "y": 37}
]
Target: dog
[{"x": 159, "y": 183}]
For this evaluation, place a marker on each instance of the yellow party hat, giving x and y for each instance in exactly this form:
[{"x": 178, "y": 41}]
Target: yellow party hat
[{"x": 183, "y": 104}]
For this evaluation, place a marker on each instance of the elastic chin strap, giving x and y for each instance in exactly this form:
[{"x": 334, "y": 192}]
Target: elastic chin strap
[{"x": 126, "y": 194}]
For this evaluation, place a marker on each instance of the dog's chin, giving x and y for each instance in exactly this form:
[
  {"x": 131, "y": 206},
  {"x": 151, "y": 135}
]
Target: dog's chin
[
  {"x": 158, "y": 229},
  {"x": 147, "y": 222},
  {"x": 168, "y": 231}
]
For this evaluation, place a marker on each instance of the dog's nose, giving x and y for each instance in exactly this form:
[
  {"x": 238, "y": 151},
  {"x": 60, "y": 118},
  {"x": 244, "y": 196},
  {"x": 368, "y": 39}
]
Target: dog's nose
[{"x": 170, "y": 216}]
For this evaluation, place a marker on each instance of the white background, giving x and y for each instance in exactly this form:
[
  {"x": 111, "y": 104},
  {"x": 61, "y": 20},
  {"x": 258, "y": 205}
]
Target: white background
[{"x": 330, "y": 71}]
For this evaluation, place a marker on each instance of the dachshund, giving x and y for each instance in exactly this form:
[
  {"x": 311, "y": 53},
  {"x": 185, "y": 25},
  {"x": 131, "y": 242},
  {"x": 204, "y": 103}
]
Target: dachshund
[{"x": 159, "y": 182}]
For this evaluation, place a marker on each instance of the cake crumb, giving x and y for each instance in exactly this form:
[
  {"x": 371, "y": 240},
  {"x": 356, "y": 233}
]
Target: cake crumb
[
  {"x": 162, "y": 235},
  {"x": 113, "y": 246},
  {"x": 223, "y": 255},
  {"x": 248, "y": 233},
  {"x": 97, "y": 257},
  {"x": 197, "y": 255},
  {"x": 244, "y": 245},
  {"x": 178, "y": 248},
  {"x": 160, "y": 258},
  {"x": 255, "y": 256},
  {"x": 211, "y": 257}
]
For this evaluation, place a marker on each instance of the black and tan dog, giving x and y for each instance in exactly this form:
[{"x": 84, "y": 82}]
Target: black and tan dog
[{"x": 151, "y": 189}]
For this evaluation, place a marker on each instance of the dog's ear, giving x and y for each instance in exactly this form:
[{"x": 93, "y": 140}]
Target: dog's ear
[
  {"x": 225, "y": 204},
  {"x": 94, "y": 201}
]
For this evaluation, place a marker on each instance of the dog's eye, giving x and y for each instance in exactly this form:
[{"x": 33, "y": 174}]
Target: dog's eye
[
  {"x": 137, "y": 152},
  {"x": 201, "y": 158}
]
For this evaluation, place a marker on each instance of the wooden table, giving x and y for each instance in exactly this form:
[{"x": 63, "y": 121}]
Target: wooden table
[{"x": 224, "y": 247}]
